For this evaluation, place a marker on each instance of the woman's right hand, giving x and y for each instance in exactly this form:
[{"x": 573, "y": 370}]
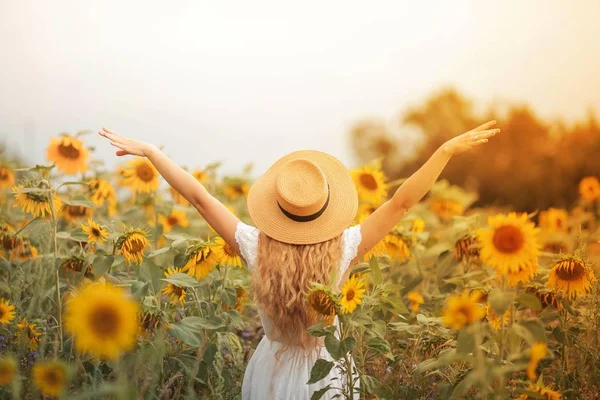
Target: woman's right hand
[
  {"x": 125, "y": 145},
  {"x": 468, "y": 140}
]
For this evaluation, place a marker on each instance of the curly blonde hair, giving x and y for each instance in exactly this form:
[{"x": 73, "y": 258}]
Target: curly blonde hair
[{"x": 282, "y": 275}]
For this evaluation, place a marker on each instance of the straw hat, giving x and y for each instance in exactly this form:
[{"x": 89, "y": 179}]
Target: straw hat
[{"x": 306, "y": 197}]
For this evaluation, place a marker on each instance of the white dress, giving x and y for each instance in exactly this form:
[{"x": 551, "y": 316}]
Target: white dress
[{"x": 285, "y": 377}]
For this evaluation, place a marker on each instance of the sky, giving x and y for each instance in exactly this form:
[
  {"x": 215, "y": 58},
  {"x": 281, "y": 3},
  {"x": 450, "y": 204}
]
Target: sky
[{"x": 241, "y": 82}]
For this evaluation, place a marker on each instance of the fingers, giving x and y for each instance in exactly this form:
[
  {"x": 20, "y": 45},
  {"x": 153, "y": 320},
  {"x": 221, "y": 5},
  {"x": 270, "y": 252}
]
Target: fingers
[
  {"x": 484, "y": 134},
  {"x": 110, "y": 131},
  {"x": 121, "y": 153},
  {"x": 480, "y": 141},
  {"x": 485, "y": 126}
]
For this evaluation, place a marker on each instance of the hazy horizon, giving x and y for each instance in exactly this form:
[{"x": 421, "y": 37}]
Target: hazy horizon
[{"x": 212, "y": 82}]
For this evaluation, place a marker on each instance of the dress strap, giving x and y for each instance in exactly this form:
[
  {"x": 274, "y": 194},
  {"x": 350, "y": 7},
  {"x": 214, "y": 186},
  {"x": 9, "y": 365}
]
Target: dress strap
[
  {"x": 246, "y": 237},
  {"x": 351, "y": 239}
]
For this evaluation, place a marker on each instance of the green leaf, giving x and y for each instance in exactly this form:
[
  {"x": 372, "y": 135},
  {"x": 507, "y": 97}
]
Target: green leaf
[
  {"x": 347, "y": 345},
  {"x": 530, "y": 301},
  {"x": 185, "y": 334},
  {"x": 81, "y": 202},
  {"x": 500, "y": 301},
  {"x": 199, "y": 322},
  {"x": 381, "y": 346},
  {"x": 397, "y": 305},
  {"x": 319, "y": 329},
  {"x": 159, "y": 251},
  {"x": 379, "y": 328},
  {"x": 375, "y": 271},
  {"x": 319, "y": 393},
  {"x": 179, "y": 261},
  {"x": 373, "y": 386},
  {"x": 320, "y": 370},
  {"x": 102, "y": 264},
  {"x": 182, "y": 280},
  {"x": 465, "y": 343},
  {"x": 360, "y": 319},
  {"x": 332, "y": 344},
  {"x": 536, "y": 328}
]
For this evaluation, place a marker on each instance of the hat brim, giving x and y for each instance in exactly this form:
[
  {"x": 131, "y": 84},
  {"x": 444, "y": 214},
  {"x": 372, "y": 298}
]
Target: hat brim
[{"x": 339, "y": 214}]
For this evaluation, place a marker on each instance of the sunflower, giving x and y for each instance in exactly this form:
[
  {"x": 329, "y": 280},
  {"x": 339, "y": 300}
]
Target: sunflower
[
  {"x": 321, "y": 305},
  {"x": 51, "y": 377},
  {"x": 200, "y": 175},
  {"x": 7, "y": 311},
  {"x": 140, "y": 176},
  {"x": 25, "y": 252},
  {"x": 370, "y": 183},
  {"x": 396, "y": 247},
  {"x": 538, "y": 352},
  {"x": 103, "y": 320},
  {"x": 446, "y": 209},
  {"x": 33, "y": 202},
  {"x": 378, "y": 250},
  {"x": 228, "y": 255},
  {"x": 352, "y": 294},
  {"x": 240, "y": 298},
  {"x": 571, "y": 276},
  {"x": 554, "y": 219},
  {"x": 150, "y": 321},
  {"x": 95, "y": 232},
  {"x": 176, "y": 293},
  {"x": 364, "y": 211},
  {"x": 101, "y": 191},
  {"x": 466, "y": 249},
  {"x": 235, "y": 188},
  {"x": 8, "y": 370},
  {"x": 176, "y": 218},
  {"x": 546, "y": 298},
  {"x": 132, "y": 244},
  {"x": 479, "y": 295},
  {"x": 522, "y": 274},
  {"x": 29, "y": 333},
  {"x": 8, "y": 241},
  {"x": 7, "y": 177},
  {"x": 541, "y": 392},
  {"x": 589, "y": 188},
  {"x": 415, "y": 301},
  {"x": 69, "y": 154},
  {"x": 178, "y": 197},
  {"x": 201, "y": 259},
  {"x": 462, "y": 310},
  {"x": 495, "y": 320},
  {"x": 75, "y": 213},
  {"x": 75, "y": 264},
  {"x": 510, "y": 243}
]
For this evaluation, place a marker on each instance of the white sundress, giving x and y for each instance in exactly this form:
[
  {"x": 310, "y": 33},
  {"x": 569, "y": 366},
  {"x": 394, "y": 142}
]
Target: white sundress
[{"x": 285, "y": 377}]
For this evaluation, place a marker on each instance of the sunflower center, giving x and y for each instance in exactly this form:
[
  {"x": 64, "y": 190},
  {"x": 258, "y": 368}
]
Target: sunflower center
[
  {"x": 1, "y": 313},
  {"x": 95, "y": 232},
  {"x": 228, "y": 250},
  {"x": 3, "y": 174},
  {"x": 508, "y": 239},
  {"x": 178, "y": 290},
  {"x": 570, "y": 270},
  {"x": 103, "y": 321},
  {"x": 321, "y": 303},
  {"x": 53, "y": 377},
  {"x": 465, "y": 310},
  {"x": 144, "y": 172},
  {"x": 69, "y": 151},
  {"x": 368, "y": 181},
  {"x": 172, "y": 220},
  {"x": 136, "y": 245},
  {"x": 77, "y": 211},
  {"x": 350, "y": 295}
]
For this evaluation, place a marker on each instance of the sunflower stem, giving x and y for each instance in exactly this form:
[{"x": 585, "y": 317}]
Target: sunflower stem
[
  {"x": 54, "y": 232},
  {"x": 501, "y": 394}
]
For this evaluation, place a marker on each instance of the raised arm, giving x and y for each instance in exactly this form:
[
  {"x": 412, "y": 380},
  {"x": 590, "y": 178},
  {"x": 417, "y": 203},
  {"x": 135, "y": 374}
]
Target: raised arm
[
  {"x": 383, "y": 220},
  {"x": 223, "y": 221}
]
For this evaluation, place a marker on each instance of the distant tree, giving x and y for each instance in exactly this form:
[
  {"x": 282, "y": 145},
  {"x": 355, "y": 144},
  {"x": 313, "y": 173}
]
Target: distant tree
[{"x": 532, "y": 164}]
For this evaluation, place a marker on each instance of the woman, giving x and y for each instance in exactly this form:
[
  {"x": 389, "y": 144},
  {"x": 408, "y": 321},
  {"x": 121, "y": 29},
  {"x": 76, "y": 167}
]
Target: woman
[{"x": 302, "y": 208}]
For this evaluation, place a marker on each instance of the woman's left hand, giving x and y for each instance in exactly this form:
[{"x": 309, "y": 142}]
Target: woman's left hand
[
  {"x": 468, "y": 140},
  {"x": 125, "y": 145}
]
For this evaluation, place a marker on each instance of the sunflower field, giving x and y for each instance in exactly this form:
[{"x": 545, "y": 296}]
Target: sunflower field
[{"x": 112, "y": 286}]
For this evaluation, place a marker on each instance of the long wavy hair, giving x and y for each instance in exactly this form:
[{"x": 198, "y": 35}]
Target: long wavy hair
[{"x": 281, "y": 277}]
